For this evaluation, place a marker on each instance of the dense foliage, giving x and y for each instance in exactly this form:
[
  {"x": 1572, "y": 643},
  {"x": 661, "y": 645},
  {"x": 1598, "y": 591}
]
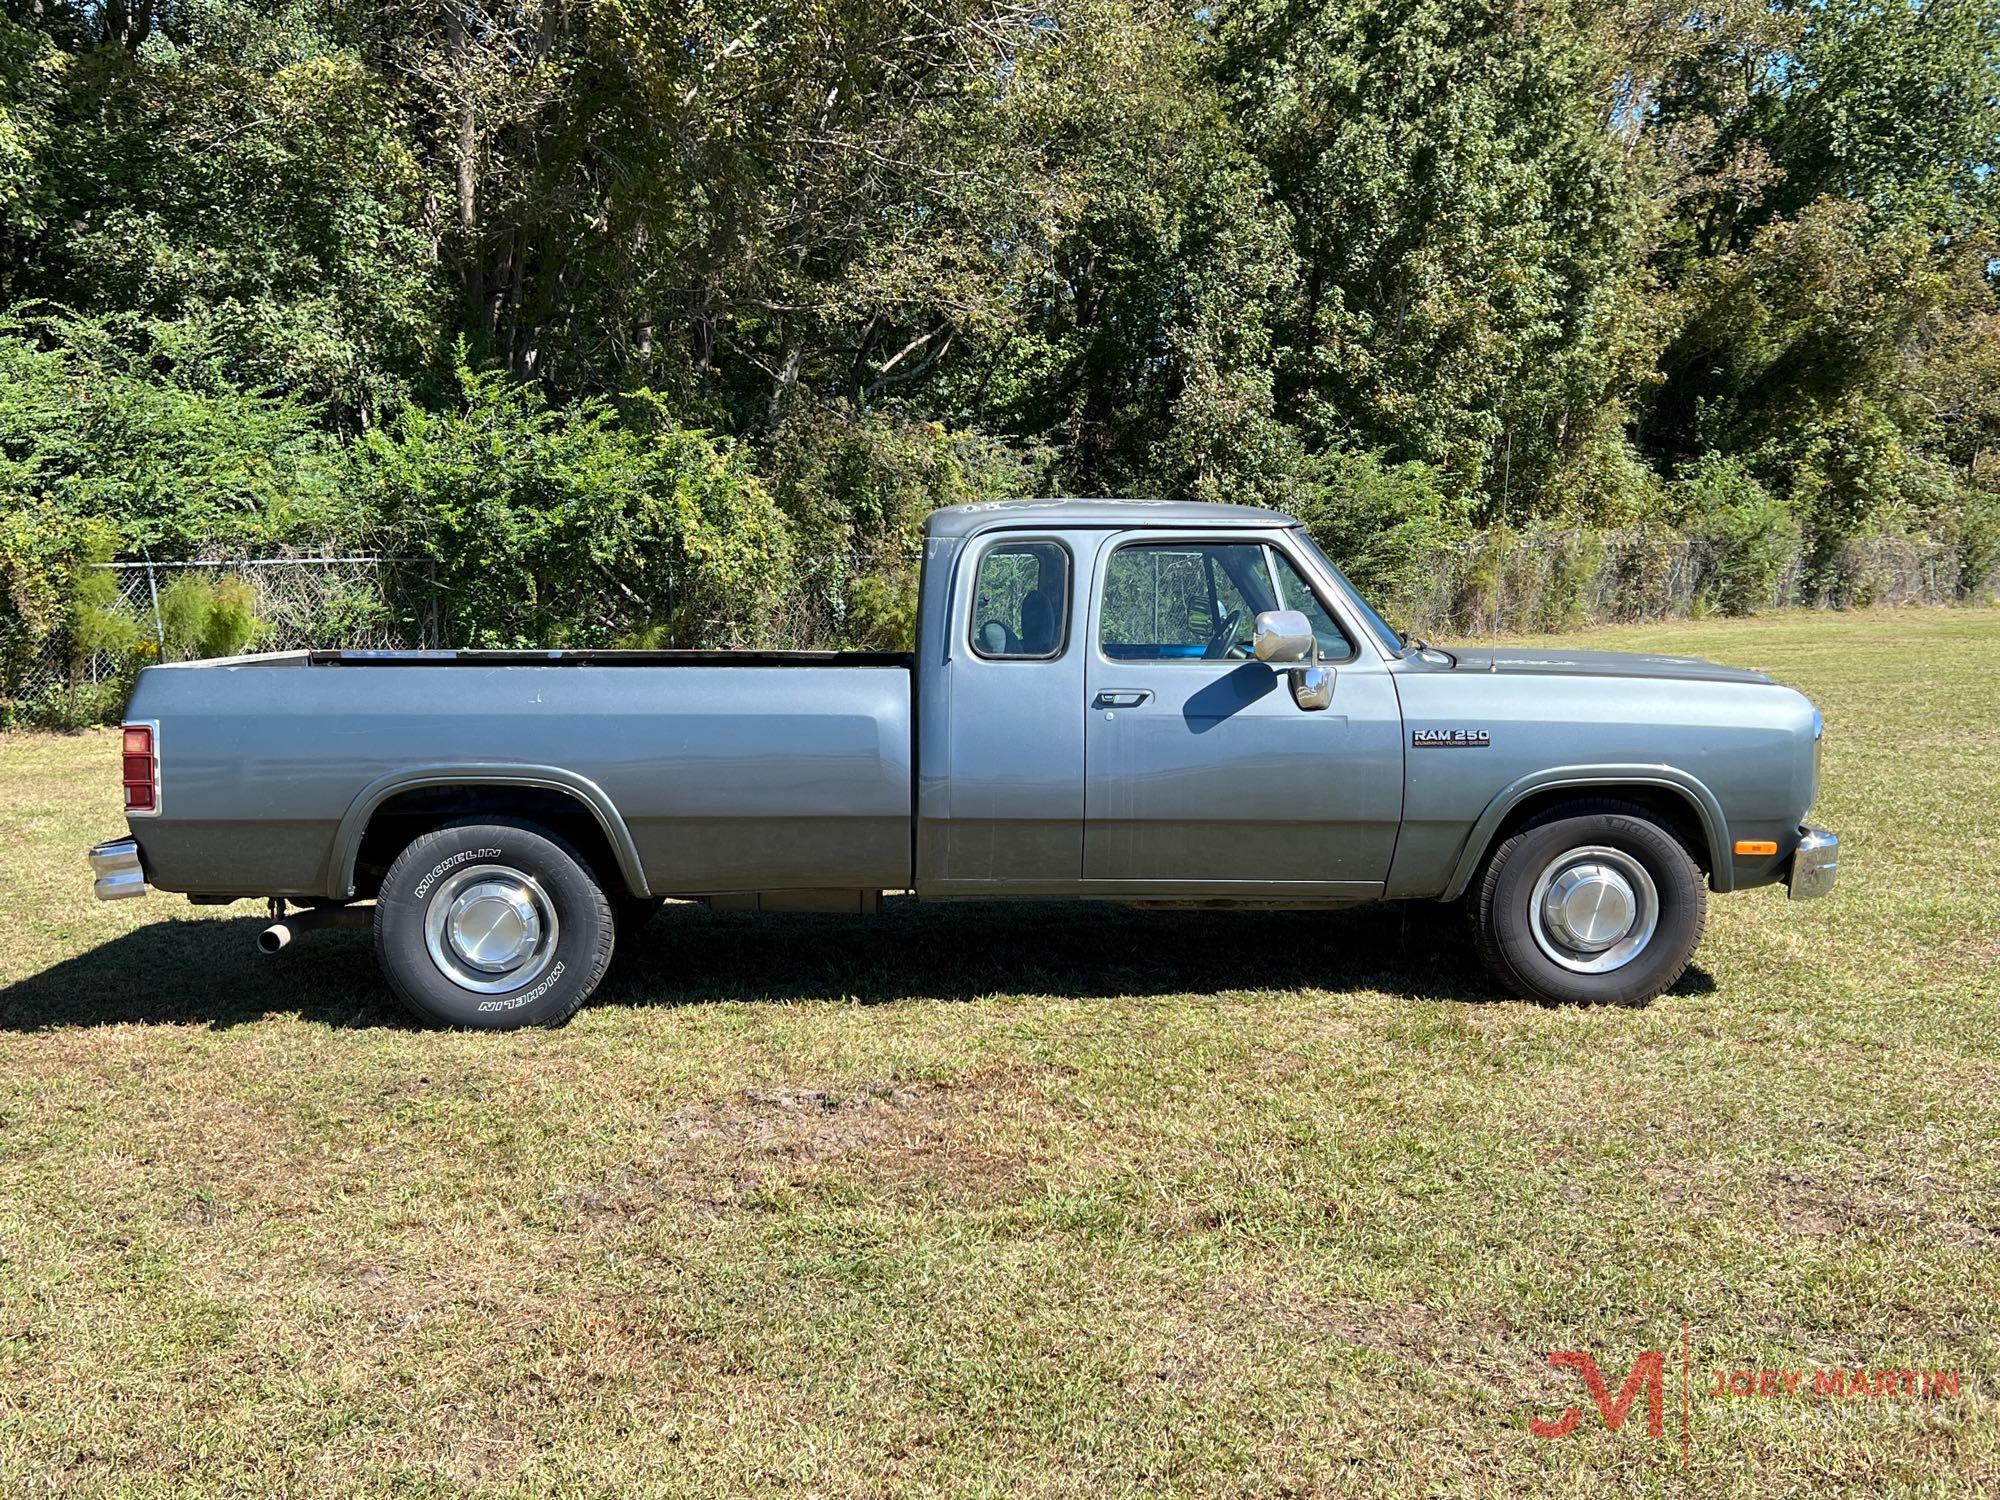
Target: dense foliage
[{"x": 670, "y": 321}]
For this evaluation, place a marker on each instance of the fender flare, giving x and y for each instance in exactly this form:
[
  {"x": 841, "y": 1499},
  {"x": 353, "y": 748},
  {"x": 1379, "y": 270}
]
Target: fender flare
[
  {"x": 1714, "y": 826},
  {"x": 354, "y": 822}
]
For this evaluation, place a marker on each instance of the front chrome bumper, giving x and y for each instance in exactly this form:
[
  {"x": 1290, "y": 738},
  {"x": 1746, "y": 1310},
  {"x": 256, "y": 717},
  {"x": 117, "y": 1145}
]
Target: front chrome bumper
[
  {"x": 115, "y": 863},
  {"x": 1815, "y": 864}
]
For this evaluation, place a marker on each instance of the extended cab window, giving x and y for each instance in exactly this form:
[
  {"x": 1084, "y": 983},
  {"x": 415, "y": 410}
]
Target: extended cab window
[{"x": 1020, "y": 608}]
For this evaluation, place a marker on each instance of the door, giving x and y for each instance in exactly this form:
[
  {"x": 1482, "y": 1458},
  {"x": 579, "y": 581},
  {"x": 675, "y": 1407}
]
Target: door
[
  {"x": 1201, "y": 775},
  {"x": 1001, "y": 781}
]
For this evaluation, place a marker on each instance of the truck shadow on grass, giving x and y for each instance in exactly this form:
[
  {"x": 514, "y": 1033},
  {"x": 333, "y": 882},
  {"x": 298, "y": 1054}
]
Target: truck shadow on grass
[{"x": 208, "y": 972}]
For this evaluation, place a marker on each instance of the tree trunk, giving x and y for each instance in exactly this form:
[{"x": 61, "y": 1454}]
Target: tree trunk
[
  {"x": 787, "y": 381},
  {"x": 701, "y": 329},
  {"x": 468, "y": 164}
]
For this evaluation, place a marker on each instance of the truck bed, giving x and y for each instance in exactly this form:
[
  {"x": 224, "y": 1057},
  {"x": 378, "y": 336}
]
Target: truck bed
[
  {"x": 731, "y": 772},
  {"x": 603, "y": 658}
]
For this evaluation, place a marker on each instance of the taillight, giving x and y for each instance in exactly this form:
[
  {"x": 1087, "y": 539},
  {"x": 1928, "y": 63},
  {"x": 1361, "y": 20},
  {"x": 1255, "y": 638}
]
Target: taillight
[{"x": 141, "y": 769}]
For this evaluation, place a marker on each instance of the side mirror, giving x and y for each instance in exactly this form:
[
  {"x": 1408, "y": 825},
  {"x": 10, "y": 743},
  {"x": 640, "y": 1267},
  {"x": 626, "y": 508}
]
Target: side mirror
[{"x": 1284, "y": 637}]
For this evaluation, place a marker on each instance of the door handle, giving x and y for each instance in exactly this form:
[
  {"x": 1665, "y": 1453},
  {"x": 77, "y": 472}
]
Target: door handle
[{"x": 1131, "y": 699}]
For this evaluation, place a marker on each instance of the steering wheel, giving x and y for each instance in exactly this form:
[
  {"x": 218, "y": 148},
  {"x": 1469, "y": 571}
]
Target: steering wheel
[{"x": 1224, "y": 635}]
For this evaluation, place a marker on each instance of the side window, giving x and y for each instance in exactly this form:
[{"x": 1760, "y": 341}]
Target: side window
[
  {"x": 1294, "y": 594},
  {"x": 1183, "y": 601},
  {"x": 1020, "y": 605}
]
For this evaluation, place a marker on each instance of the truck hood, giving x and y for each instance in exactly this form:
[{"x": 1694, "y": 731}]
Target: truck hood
[{"x": 1517, "y": 661}]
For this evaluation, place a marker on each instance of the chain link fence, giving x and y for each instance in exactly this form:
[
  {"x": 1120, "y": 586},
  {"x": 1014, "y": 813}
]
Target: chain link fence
[
  {"x": 1514, "y": 583},
  {"x": 1499, "y": 583},
  {"x": 296, "y": 603}
]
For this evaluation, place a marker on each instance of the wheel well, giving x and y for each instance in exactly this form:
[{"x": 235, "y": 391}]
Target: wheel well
[
  {"x": 1663, "y": 803},
  {"x": 408, "y": 816}
]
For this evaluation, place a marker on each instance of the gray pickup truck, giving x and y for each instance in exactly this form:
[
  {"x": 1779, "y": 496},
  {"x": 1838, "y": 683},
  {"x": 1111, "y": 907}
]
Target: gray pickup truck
[{"x": 1131, "y": 701}]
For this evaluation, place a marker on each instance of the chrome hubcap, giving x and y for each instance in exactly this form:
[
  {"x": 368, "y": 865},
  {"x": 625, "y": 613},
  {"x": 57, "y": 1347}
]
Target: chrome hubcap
[
  {"x": 490, "y": 928},
  {"x": 493, "y": 926},
  {"x": 1589, "y": 907},
  {"x": 1594, "y": 909}
]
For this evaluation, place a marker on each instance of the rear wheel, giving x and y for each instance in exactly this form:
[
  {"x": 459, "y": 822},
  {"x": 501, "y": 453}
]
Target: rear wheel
[
  {"x": 494, "y": 926},
  {"x": 1592, "y": 903}
]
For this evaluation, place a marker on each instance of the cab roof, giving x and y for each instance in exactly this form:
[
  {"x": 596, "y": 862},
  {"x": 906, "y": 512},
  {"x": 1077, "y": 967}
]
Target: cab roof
[{"x": 964, "y": 520}]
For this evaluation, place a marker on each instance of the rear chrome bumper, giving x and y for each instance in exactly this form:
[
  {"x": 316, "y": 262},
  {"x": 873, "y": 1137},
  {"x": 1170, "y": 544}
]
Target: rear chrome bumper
[
  {"x": 115, "y": 863},
  {"x": 1815, "y": 864}
]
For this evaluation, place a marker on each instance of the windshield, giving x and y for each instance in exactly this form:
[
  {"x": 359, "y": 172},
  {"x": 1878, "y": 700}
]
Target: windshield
[{"x": 1390, "y": 639}]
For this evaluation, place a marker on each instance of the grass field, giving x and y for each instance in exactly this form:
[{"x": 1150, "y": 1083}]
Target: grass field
[{"x": 1040, "y": 1201}]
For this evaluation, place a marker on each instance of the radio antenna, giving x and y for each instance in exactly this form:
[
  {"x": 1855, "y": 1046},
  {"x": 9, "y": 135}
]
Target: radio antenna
[{"x": 1499, "y": 595}]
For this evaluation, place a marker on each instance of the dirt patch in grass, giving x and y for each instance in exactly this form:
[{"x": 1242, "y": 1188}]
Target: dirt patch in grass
[{"x": 744, "y": 1151}]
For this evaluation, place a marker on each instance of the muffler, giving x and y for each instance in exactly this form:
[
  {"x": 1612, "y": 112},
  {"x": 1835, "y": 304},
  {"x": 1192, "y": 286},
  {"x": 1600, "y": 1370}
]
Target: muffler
[{"x": 282, "y": 931}]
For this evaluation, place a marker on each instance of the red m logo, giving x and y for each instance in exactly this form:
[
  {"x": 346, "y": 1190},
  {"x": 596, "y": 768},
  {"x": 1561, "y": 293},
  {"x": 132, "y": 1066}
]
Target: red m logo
[{"x": 1648, "y": 1371}]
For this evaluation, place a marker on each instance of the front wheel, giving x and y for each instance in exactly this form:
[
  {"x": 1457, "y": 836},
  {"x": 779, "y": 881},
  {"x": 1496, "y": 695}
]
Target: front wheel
[
  {"x": 494, "y": 926},
  {"x": 1593, "y": 904}
]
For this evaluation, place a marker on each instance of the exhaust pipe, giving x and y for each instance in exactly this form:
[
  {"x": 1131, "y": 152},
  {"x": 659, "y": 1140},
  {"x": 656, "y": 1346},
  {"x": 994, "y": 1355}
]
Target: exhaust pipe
[{"x": 281, "y": 932}]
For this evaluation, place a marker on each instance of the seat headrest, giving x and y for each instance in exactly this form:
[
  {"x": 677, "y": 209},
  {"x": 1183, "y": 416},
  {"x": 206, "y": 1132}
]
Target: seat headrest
[{"x": 1038, "y": 624}]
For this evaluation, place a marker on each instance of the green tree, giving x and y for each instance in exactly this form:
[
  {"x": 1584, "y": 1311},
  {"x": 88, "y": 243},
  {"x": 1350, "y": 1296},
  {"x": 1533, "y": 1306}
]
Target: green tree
[
  {"x": 571, "y": 526},
  {"x": 1462, "y": 219},
  {"x": 137, "y": 429},
  {"x": 234, "y": 169}
]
